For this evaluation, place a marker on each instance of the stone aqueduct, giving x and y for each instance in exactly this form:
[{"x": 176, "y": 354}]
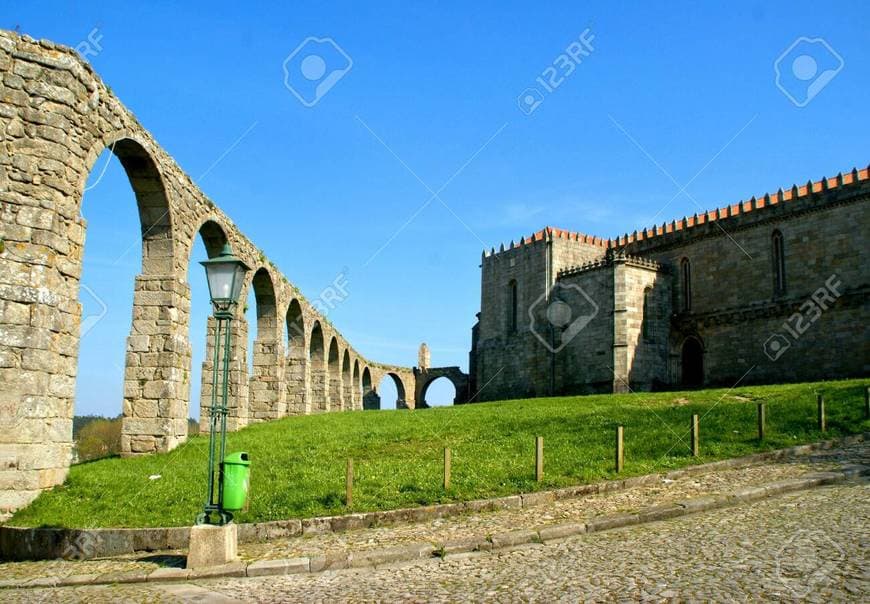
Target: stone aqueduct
[{"x": 56, "y": 118}]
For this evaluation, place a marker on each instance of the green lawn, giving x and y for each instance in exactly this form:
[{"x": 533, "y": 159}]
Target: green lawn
[{"x": 298, "y": 463}]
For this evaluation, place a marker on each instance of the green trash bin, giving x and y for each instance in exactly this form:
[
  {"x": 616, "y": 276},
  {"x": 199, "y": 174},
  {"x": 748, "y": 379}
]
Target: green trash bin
[{"x": 237, "y": 480}]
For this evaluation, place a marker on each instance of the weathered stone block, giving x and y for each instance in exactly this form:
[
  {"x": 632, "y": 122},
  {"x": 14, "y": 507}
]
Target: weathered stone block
[
  {"x": 212, "y": 546},
  {"x": 286, "y": 566}
]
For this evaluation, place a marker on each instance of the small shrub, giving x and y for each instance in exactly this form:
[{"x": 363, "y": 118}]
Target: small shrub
[{"x": 99, "y": 438}]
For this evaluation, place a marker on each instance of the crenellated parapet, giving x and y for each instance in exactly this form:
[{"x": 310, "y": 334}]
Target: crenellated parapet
[
  {"x": 547, "y": 234},
  {"x": 613, "y": 256},
  {"x": 797, "y": 198}
]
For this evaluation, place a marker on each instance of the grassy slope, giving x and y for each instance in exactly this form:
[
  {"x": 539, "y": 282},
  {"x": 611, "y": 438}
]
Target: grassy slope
[{"x": 298, "y": 463}]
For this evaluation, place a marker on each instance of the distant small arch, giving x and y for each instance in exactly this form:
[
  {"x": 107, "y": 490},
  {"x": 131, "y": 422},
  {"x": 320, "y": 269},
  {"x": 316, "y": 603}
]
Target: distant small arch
[
  {"x": 370, "y": 398},
  {"x": 316, "y": 345},
  {"x": 295, "y": 321},
  {"x": 264, "y": 297},
  {"x": 425, "y": 398},
  {"x": 356, "y": 389},
  {"x": 346, "y": 386},
  {"x": 400, "y": 391},
  {"x": 316, "y": 367},
  {"x": 334, "y": 376}
]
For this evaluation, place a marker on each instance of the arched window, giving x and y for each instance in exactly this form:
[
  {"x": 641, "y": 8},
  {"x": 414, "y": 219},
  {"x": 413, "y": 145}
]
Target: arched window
[
  {"x": 778, "y": 254},
  {"x": 686, "y": 284},
  {"x": 512, "y": 306},
  {"x": 648, "y": 314}
]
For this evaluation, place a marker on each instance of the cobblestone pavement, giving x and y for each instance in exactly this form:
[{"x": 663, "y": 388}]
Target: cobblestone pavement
[
  {"x": 475, "y": 525},
  {"x": 810, "y": 546},
  {"x": 471, "y": 525}
]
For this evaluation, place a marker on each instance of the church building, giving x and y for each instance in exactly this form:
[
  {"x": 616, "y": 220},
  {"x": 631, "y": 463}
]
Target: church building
[{"x": 773, "y": 289}]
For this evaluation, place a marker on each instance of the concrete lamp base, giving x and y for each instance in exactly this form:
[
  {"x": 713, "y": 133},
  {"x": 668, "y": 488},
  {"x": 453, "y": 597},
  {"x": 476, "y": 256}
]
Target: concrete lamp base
[{"x": 212, "y": 545}]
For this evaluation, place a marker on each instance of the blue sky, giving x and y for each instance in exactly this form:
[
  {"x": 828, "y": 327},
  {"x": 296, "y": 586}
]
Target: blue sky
[{"x": 680, "y": 94}]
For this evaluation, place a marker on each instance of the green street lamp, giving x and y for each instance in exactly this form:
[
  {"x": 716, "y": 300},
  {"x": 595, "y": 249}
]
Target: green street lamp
[{"x": 225, "y": 274}]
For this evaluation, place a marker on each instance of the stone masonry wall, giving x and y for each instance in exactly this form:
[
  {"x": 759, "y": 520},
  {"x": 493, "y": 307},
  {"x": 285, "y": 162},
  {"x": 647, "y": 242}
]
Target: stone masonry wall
[
  {"x": 735, "y": 309},
  {"x": 514, "y": 363},
  {"x": 56, "y": 118},
  {"x": 817, "y": 328},
  {"x": 585, "y": 365}
]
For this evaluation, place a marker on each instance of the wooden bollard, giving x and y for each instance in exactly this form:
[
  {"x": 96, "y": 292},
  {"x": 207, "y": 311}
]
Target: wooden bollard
[
  {"x": 867, "y": 402},
  {"x": 447, "y": 461},
  {"x": 821, "y": 404},
  {"x": 761, "y": 418},
  {"x": 696, "y": 425},
  {"x": 620, "y": 450},
  {"x": 348, "y": 483},
  {"x": 539, "y": 458}
]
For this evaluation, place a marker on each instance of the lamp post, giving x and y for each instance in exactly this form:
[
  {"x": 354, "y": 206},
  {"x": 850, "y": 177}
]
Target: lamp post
[{"x": 225, "y": 274}]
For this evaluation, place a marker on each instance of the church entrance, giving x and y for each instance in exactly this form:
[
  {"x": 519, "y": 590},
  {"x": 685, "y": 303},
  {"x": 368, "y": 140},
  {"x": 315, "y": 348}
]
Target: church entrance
[{"x": 693, "y": 363}]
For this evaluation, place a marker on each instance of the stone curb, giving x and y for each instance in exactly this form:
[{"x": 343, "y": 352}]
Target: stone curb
[
  {"x": 18, "y": 543},
  {"x": 419, "y": 551}
]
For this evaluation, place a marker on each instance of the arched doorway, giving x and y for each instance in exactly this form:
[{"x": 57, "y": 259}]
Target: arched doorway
[
  {"x": 692, "y": 363},
  {"x": 440, "y": 392}
]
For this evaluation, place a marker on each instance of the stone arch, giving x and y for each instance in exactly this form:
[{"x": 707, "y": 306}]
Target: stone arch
[
  {"x": 424, "y": 379},
  {"x": 346, "y": 386},
  {"x": 42, "y": 315},
  {"x": 692, "y": 362},
  {"x": 214, "y": 236},
  {"x": 294, "y": 372},
  {"x": 152, "y": 197},
  {"x": 266, "y": 399},
  {"x": 401, "y": 397},
  {"x": 334, "y": 381},
  {"x": 356, "y": 391},
  {"x": 370, "y": 398},
  {"x": 423, "y": 403},
  {"x": 156, "y": 389},
  {"x": 317, "y": 377}
]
